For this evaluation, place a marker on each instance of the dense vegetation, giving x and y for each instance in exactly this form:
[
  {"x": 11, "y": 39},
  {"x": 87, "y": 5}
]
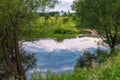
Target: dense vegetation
[
  {"x": 103, "y": 16},
  {"x": 20, "y": 21}
]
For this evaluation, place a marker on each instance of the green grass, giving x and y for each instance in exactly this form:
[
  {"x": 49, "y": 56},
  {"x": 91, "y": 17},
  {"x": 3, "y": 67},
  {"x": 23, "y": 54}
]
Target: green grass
[
  {"x": 51, "y": 28},
  {"x": 109, "y": 70}
]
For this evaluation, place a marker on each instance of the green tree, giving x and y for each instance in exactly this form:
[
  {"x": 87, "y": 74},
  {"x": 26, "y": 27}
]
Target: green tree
[
  {"x": 45, "y": 5},
  {"x": 101, "y": 15},
  {"x": 57, "y": 16},
  {"x": 14, "y": 14}
]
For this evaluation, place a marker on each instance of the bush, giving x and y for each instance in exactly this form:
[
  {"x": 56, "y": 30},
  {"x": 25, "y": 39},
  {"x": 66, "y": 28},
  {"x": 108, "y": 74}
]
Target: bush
[
  {"x": 88, "y": 59},
  {"x": 65, "y": 20},
  {"x": 63, "y": 31}
]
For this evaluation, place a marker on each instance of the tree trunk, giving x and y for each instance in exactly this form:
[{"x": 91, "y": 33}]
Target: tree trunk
[
  {"x": 12, "y": 67},
  {"x": 17, "y": 55}
]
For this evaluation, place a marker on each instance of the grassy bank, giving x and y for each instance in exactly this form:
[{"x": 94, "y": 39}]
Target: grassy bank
[
  {"x": 110, "y": 70},
  {"x": 57, "y": 28}
]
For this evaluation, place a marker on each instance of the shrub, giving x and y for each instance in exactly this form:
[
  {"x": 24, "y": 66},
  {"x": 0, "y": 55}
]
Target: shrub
[
  {"x": 88, "y": 59},
  {"x": 63, "y": 31},
  {"x": 65, "y": 20}
]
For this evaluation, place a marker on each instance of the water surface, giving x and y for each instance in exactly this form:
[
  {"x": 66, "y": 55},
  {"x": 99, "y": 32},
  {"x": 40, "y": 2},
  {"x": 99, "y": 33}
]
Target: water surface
[{"x": 61, "y": 56}]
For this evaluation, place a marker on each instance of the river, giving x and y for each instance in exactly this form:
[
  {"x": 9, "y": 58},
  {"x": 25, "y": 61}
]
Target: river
[{"x": 61, "y": 56}]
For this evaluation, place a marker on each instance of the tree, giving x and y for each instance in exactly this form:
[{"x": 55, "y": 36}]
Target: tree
[
  {"x": 45, "y": 5},
  {"x": 13, "y": 16},
  {"x": 101, "y": 15}
]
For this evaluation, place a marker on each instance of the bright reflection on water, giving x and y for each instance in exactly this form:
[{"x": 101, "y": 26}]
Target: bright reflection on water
[{"x": 61, "y": 56}]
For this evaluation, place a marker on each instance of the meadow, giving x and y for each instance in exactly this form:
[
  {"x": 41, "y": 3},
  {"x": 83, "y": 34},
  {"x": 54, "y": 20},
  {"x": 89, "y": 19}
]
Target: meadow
[{"x": 57, "y": 28}]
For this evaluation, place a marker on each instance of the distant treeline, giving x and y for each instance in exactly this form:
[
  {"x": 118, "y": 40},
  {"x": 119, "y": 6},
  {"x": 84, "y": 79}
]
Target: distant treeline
[{"x": 49, "y": 13}]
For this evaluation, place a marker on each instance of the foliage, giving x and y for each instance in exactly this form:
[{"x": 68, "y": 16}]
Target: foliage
[
  {"x": 49, "y": 13},
  {"x": 65, "y": 20},
  {"x": 57, "y": 16},
  {"x": 102, "y": 56},
  {"x": 103, "y": 16},
  {"x": 13, "y": 15},
  {"x": 85, "y": 60},
  {"x": 28, "y": 60},
  {"x": 45, "y": 5},
  {"x": 47, "y": 16},
  {"x": 60, "y": 30},
  {"x": 88, "y": 59}
]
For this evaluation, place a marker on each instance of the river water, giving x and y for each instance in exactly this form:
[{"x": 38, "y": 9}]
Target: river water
[{"x": 61, "y": 56}]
